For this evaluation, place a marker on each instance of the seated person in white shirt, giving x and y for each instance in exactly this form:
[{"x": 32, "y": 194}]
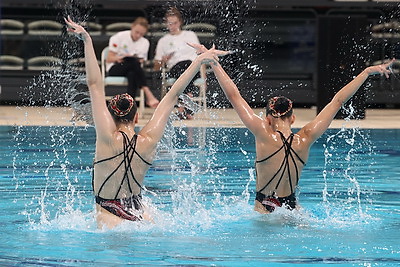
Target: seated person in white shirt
[
  {"x": 174, "y": 52},
  {"x": 127, "y": 51}
]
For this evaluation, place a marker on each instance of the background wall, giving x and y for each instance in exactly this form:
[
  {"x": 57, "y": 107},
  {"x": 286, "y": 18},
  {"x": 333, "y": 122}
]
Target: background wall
[{"x": 282, "y": 47}]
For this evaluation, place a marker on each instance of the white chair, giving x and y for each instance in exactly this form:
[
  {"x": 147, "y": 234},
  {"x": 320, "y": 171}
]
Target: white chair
[
  {"x": 113, "y": 28},
  {"x": 157, "y": 30},
  {"x": 200, "y": 83},
  {"x": 386, "y": 30},
  {"x": 44, "y": 63},
  {"x": 93, "y": 28},
  {"x": 11, "y": 27},
  {"x": 202, "y": 30},
  {"x": 44, "y": 27},
  {"x": 77, "y": 64},
  {"x": 9, "y": 62},
  {"x": 119, "y": 81}
]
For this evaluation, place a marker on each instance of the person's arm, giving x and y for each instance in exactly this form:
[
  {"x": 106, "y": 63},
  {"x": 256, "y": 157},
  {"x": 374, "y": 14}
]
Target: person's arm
[
  {"x": 154, "y": 129},
  {"x": 314, "y": 129},
  {"x": 246, "y": 114},
  {"x": 158, "y": 64},
  {"x": 113, "y": 57},
  {"x": 103, "y": 121},
  {"x": 158, "y": 56},
  {"x": 144, "y": 50}
]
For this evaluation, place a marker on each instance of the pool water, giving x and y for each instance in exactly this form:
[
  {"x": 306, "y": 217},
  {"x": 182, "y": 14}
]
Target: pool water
[{"x": 201, "y": 193}]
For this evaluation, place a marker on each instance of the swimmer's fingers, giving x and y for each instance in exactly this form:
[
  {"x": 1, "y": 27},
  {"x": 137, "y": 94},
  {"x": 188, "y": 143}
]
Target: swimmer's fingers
[
  {"x": 386, "y": 72},
  {"x": 382, "y": 69},
  {"x": 222, "y": 52},
  {"x": 75, "y": 28},
  {"x": 388, "y": 67},
  {"x": 219, "y": 52},
  {"x": 385, "y": 69},
  {"x": 72, "y": 26},
  {"x": 200, "y": 49},
  {"x": 389, "y": 63}
]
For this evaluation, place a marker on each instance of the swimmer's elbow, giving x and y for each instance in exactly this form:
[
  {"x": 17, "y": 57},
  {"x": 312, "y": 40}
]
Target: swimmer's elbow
[
  {"x": 233, "y": 95},
  {"x": 94, "y": 84},
  {"x": 337, "y": 102}
]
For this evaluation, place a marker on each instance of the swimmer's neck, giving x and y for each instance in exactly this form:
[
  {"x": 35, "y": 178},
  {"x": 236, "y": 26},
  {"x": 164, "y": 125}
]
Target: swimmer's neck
[
  {"x": 126, "y": 127},
  {"x": 281, "y": 126}
]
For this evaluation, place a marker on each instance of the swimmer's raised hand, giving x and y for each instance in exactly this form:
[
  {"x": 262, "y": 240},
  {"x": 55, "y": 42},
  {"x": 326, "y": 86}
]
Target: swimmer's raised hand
[
  {"x": 208, "y": 55},
  {"x": 383, "y": 69},
  {"x": 80, "y": 32},
  {"x": 200, "y": 49}
]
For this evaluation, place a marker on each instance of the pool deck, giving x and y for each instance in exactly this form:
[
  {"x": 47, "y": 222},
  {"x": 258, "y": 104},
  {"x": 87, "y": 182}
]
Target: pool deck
[{"x": 62, "y": 116}]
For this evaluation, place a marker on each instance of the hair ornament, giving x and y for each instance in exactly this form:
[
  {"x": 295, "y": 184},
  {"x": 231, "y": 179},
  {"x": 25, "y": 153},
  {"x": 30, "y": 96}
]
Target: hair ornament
[
  {"x": 272, "y": 107},
  {"x": 114, "y": 104}
]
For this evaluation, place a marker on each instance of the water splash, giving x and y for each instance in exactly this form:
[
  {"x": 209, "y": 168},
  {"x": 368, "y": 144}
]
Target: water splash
[
  {"x": 43, "y": 169},
  {"x": 342, "y": 186}
]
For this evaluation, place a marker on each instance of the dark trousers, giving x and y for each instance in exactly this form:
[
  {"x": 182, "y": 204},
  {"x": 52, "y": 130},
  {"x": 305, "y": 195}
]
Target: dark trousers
[
  {"x": 177, "y": 71},
  {"x": 132, "y": 70}
]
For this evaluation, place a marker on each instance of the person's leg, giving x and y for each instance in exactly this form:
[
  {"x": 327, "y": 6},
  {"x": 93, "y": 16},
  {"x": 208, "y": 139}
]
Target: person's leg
[
  {"x": 140, "y": 77},
  {"x": 151, "y": 100},
  {"x": 125, "y": 69},
  {"x": 132, "y": 84},
  {"x": 132, "y": 69},
  {"x": 175, "y": 72}
]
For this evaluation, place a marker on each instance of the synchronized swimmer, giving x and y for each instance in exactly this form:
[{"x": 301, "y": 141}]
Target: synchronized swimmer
[{"x": 123, "y": 156}]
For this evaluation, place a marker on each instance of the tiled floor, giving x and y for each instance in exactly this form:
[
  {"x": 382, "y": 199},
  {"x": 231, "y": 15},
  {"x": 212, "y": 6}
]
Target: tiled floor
[{"x": 12, "y": 115}]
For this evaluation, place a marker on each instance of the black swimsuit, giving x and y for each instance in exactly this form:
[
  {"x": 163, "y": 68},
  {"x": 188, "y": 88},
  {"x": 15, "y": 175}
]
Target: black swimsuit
[
  {"x": 126, "y": 208},
  {"x": 270, "y": 202}
]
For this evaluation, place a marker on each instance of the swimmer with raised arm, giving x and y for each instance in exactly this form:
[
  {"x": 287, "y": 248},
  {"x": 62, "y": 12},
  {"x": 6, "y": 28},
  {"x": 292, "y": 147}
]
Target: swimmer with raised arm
[
  {"x": 123, "y": 156},
  {"x": 280, "y": 153}
]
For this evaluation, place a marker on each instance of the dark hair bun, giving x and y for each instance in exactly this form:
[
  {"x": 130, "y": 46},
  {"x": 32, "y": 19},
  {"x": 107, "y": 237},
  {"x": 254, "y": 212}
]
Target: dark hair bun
[
  {"x": 279, "y": 106},
  {"x": 123, "y": 104}
]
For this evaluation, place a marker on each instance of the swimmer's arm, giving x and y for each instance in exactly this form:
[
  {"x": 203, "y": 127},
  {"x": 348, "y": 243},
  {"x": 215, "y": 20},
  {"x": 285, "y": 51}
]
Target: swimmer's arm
[
  {"x": 103, "y": 121},
  {"x": 252, "y": 121},
  {"x": 105, "y": 125},
  {"x": 320, "y": 124},
  {"x": 155, "y": 127}
]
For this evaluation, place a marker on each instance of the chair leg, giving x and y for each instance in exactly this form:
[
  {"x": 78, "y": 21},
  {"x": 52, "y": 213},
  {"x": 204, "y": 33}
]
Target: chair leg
[
  {"x": 201, "y": 99},
  {"x": 141, "y": 103},
  {"x": 204, "y": 100}
]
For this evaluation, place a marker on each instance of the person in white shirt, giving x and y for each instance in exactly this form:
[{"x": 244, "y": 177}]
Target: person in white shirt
[
  {"x": 127, "y": 51},
  {"x": 174, "y": 52}
]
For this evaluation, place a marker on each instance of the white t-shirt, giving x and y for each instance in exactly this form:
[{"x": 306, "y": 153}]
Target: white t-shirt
[
  {"x": 122, "y": 43},
  {"x": 177, "y": 44}
]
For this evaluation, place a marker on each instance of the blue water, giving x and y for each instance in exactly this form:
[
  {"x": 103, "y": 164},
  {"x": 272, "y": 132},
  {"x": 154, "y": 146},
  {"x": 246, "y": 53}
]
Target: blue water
[{"x": 203, "y": 208}]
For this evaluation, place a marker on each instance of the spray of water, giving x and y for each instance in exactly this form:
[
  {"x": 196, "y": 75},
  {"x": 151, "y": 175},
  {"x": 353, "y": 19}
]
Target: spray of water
[{"x": 342, "y": 186}]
